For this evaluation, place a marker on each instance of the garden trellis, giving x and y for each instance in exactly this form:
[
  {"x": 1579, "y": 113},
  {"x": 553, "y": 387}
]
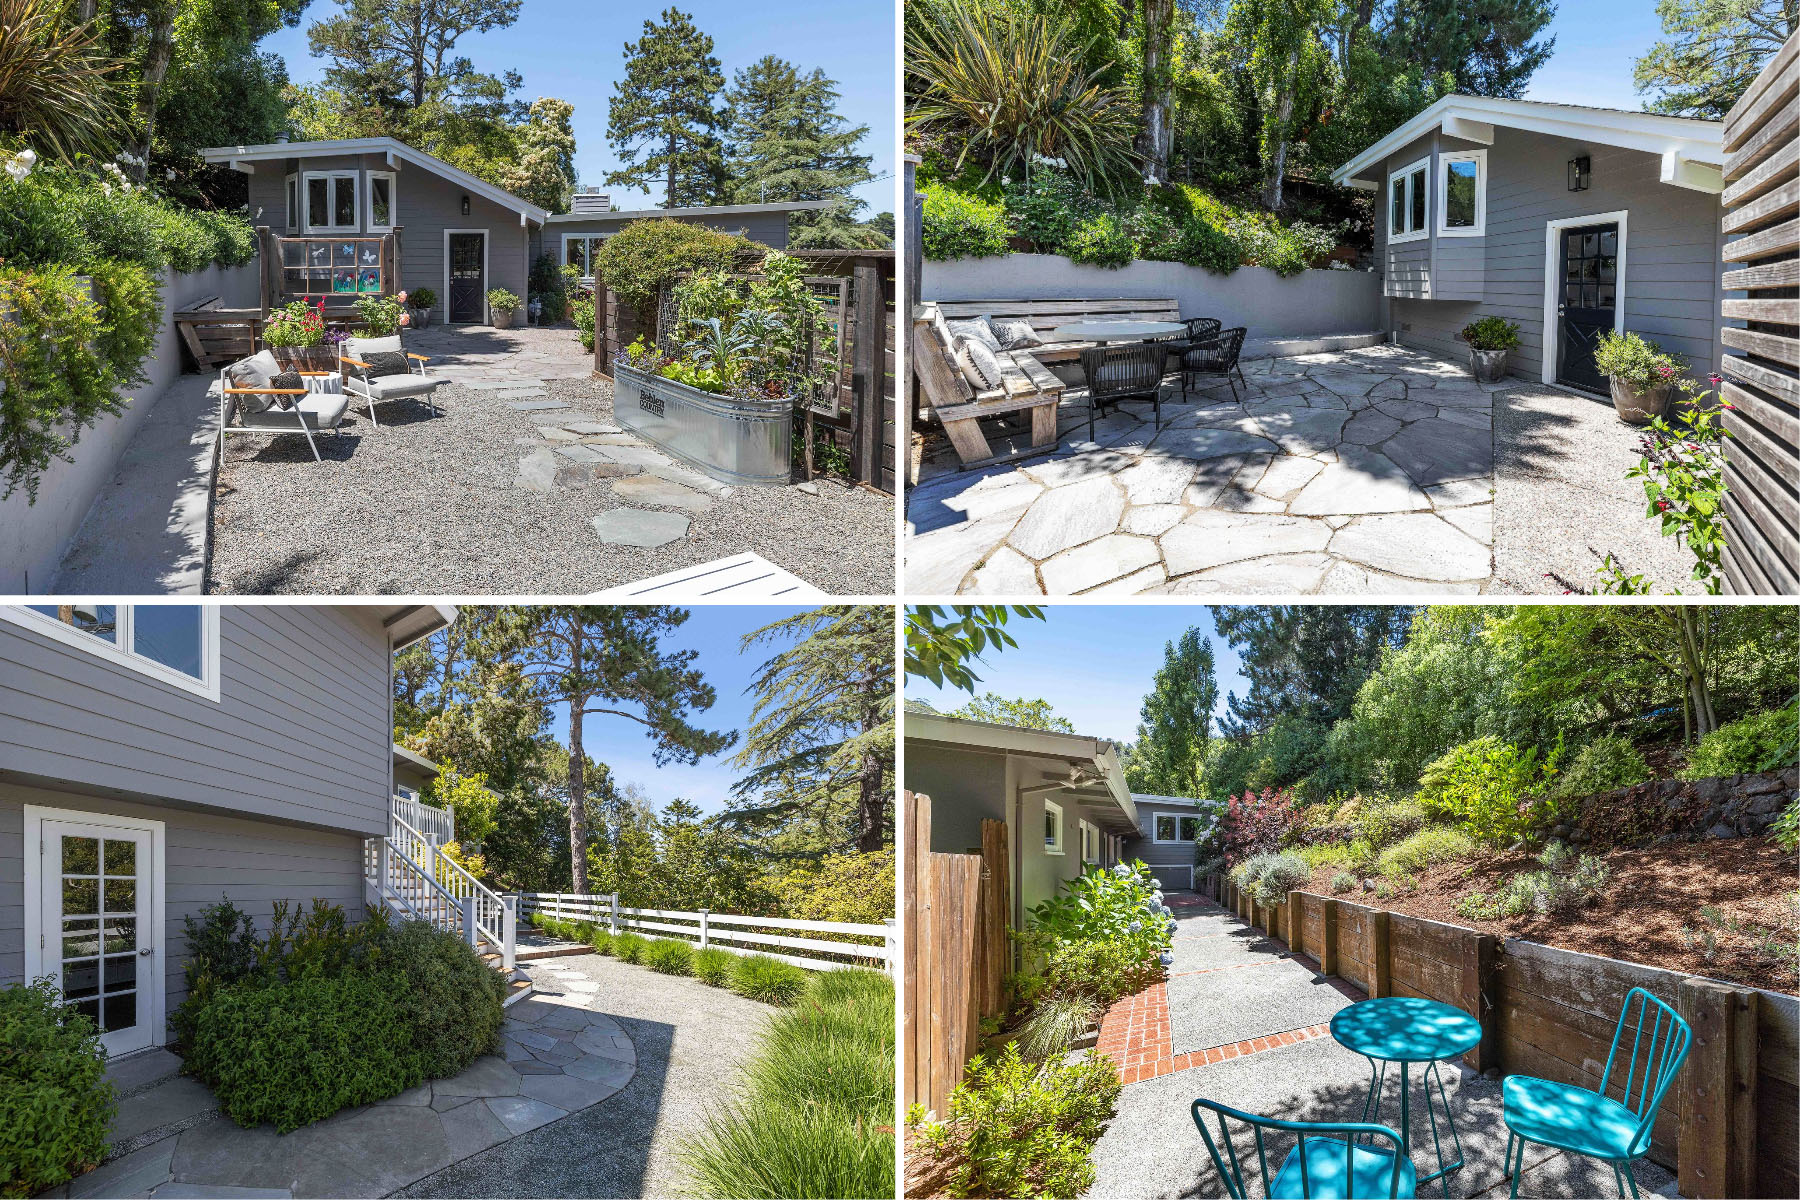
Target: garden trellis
[{"x": 844, "y": 944}]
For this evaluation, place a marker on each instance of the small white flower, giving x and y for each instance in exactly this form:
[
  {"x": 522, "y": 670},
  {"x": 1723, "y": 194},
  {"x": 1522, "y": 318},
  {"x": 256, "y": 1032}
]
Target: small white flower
[
  {"x": 170, "y": 173},
  {"x": 106, "y": 187}
]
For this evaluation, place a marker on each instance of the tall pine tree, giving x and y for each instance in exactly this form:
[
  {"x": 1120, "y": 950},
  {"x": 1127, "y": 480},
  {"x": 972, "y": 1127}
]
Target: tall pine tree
[
  {"x": 1710, "y": 53},
  {"x": 1487, "y": 46},
  {"x": 1176, "y": 720},
  {"x": 786, "y": 141},
  {"x": 664, "y": 119},
  {"x": 1305, "y": 660}
]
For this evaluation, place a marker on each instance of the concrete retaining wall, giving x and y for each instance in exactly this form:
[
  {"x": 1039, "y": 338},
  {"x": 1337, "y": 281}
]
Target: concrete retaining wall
[
  {"x": 33, "y": 537},
  {"x": 1269, "y": 306}
]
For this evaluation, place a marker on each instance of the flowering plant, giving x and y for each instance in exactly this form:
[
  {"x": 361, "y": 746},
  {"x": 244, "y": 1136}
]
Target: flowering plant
[
  {"x": 19, "y": 165},
  {"x": 382, "y": 315},
  {"x": 1682, "y": 467},
  {"x": 297, "y": 324},
  {"x": 1639, "y": 364}
]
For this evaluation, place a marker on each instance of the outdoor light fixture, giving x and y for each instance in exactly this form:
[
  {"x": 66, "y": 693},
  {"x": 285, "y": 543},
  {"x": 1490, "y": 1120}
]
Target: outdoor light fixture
[
  {"x": 466, "y": 197},
  {"x": 1580, "y": 173}
]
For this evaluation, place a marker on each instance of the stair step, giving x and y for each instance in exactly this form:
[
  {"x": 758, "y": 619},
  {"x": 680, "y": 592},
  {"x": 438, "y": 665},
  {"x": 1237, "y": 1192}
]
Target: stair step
[{"x": 553, "y": 952}]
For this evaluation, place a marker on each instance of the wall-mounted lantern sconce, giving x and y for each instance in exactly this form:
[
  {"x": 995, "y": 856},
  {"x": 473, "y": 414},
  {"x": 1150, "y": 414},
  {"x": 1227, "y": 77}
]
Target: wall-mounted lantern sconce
[
  {"x": 1580, "y": 174},
  {"x": 465, "y": 202}
]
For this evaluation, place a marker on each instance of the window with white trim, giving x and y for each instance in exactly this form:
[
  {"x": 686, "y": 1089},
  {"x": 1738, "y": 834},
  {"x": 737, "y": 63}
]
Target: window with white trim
[
  {"x": 1407, "y": 202},
  {"x": 293, "y": 203},
  {"x": 1090, "y": 843},
  {"x": 381, "y": 201},
  {"x": 1171, "y": 827},
  {"x": 580, "y": 250},
  {"x": 331, "y": 201},
  {"x": 175, "y": 643},
  {"x": 1053, "y": 827},
  {"x": 1462, "y": 193}
]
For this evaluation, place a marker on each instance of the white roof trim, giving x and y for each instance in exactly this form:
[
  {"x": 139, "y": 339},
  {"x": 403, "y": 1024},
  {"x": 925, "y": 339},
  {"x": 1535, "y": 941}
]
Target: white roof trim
[
  {"x": 241, "y": 158},
  {"x": 1475, "y": 117},
  {"x": 718, "y": 210},
  {"x": 1039, "y": 743}
]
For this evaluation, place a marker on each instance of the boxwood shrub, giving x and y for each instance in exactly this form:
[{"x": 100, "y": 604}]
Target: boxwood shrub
[{"x": 55, "y": 1102}]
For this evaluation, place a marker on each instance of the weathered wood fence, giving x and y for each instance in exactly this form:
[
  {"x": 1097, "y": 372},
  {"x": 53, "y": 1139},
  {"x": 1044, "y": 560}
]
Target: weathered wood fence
[
  {"x": 955, "y": 954},
  {"x": 1728, "y": 1126},
  {"x": 865, "y": 944},
  {"x": 1761, "y": 204}
]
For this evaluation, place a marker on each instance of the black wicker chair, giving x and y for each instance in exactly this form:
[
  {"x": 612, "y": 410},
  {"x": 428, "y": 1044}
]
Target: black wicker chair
[
  {"x": 1198, "y": 329},
  {"x": 1216, "y": 355},
  {"x": 1122, "y": 372}
]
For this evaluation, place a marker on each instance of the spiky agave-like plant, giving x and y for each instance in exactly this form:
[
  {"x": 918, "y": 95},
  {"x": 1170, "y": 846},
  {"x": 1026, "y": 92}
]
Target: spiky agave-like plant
[
  {"x": 55, "y": 90},
  {"x": 1012, "y": 87}
]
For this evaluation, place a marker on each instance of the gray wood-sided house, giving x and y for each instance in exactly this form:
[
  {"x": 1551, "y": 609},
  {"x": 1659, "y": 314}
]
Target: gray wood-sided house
[
  {"x": 574, "y": 237},
  {"x": 1062, "y": 797},
  {"x": 1168, "y": 832},
  {"x": 1564, "y": 219},
  {"x": 155, "y": 758}
]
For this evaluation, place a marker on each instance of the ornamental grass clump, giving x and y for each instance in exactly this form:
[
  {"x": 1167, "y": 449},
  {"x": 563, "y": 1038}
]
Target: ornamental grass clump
[
  {"x": 670, "y": 956},
  {"x": 759, "y": 977},
  {"x": 630, "y": 947},
  {"x": 713, "y": 966},
  {"x": 600, "y": 940},
  {"x": 55, "y": 1101}
]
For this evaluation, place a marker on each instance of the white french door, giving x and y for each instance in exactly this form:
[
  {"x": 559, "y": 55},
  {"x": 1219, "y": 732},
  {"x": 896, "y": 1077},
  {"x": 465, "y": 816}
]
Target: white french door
[{"x": 98, "y": 890}]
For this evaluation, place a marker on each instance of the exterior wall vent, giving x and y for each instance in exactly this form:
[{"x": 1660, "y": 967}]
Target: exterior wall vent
[{"x": 584, "y": 203}]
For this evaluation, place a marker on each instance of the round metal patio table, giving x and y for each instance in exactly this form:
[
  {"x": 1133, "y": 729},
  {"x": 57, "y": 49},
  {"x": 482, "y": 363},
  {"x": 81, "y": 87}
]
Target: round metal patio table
[
  {"x": 1115, "y": 331},
  {"x": 1408, "y": 1030}
]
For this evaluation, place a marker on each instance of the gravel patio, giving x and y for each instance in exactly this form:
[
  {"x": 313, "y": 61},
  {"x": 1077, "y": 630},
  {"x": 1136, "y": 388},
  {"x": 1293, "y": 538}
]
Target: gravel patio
[
  {"x": 522, "y": 484},
  {"x": 1352, "y": 472}
]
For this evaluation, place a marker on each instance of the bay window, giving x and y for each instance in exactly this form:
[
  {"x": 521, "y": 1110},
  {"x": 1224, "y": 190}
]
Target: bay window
[
  {"x": 1462, "y": 193},
  {"x": 1407, "y": 202},
  {"x": 331, "y": 201}
]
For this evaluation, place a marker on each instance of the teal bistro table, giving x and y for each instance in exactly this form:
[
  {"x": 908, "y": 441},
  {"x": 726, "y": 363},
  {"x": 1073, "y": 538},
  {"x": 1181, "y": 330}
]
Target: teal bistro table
[{"x": 1407, "y": 1030}]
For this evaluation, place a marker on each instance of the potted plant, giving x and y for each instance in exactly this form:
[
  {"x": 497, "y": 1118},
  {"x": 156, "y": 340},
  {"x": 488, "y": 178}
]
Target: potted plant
[
  {"x": 383, "y": 316},
  {"x": 1641, "y": 374},
  {"x": 503, "y": 306},
  {"x": 296, "y": 335},
  {"x": 1489, "y": 339},
  {"x": 420, "y": 302}
]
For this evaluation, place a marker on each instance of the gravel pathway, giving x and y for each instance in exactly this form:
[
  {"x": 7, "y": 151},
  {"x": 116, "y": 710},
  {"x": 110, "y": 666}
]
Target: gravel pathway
[
  {"x": 691, "y": 1041},
  {"x": 438, "y": 504}
]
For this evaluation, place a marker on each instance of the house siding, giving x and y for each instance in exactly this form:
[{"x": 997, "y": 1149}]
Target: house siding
[
  {"x": 768, "y": 229},
  {"x": 425, "y": 205},
  {"x": 207, "y": 856},
  {"x": 1671, "y": 293},
  {"x": 301, "y": 731},
  {"x": 1175, "y": 859}
]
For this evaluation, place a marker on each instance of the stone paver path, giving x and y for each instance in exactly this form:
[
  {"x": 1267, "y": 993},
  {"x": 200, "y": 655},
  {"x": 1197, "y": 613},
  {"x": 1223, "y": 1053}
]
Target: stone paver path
[
  {"x": 1342, "y": 472},
  {"x": 1243, "y": 1022},
  {"x": 559, "y": 1055},
  {"x": 482, "y": 354}
]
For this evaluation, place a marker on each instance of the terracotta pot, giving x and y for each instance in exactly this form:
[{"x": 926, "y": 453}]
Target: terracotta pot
[
  {"x": 1639, "y": 408},
  {"x": 1488, "y": 366},
  {"x": 503, "y": 317},
  {"x": 306, "y": 358}
]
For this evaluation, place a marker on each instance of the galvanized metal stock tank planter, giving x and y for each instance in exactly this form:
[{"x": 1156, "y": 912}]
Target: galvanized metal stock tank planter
[{"x": 734, "y": 440}]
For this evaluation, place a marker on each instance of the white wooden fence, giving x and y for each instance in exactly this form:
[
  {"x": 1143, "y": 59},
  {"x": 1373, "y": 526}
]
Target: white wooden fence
[{"x": 873, "y": 945}]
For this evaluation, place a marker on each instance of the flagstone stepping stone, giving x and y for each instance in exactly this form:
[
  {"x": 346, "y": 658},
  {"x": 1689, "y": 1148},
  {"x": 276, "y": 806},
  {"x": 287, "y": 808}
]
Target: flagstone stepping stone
[
  {"x": 1133, "y": 584},
  {"x": 648, "y": 489},
  {"x": 610, "y": 1072},
  {"x": 1434, "y": 452},
  {"x": 1288, "y": 474},
  {"x": 937, "y": 561},
  {"x": 1473, "y": 418},
  {"x": 1271, "y": 575},
  {"x": 580, "y": 453},
  {"x": 1206, "y": 443},
  {"x": 1361, "y": 481},
  {"x": 640, "y": 527},
  {"x": 590, "y": 428},
  {"x": 972, "y": 505},
  {"x": 1304, "y": 431},
  {"x": 1062, "y": 470},
  {"x": 1097, "y": 562},
  {"x": 553, "y": 433},
  {"x": 636, "y": 456},
  {"x": 1212, "y": 539},
  {"x": 1371, "y": 426},
  {"x": 1156, "y": 480},
  {"x": 488, "y": 1075},
  {"x": 536, "y": 405},
  {"x": 1345, "y": 383},
  {"x": 693, "y": 479},
  {"x": 1407, "y": 410},
  {"x": 1352, "y": 579},
  {"x": 1237, "y": 498},
  {"x": 1213, "y": 475},
  {"x": 1068, "y": 516},
  {"x": 524, "y": 394},
  {"x": 1459, "y": 492},
  {"x": 1477, "y": 521},
  {"x": 521, "y": 1114},
  {"x": 1414, "y": 545},
  {"x": 537, "y": 471},
  {"x": 1152, "y": 519},
  {"x": 1391, "y": 389},
  {"x": 1006, "y": 572}
]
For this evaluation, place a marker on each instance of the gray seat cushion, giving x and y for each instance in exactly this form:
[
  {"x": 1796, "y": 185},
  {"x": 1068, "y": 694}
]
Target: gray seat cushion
[
  {"x": 392, "y": 387},
  {"x": 257, "y": 371}
]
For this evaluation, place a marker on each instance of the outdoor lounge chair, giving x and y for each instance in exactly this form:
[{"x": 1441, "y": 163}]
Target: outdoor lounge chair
[
  {"x": 1326, "y": 1162},
  {"x": 1124, "y": 371},
  {"x": 1565, "y": 1116},
  {"x": 1216, "y": 355},
  {"x": 353, "y": 359},
  {"x": 279, "y": 410},
  {"x": 1198, "y": 329}
]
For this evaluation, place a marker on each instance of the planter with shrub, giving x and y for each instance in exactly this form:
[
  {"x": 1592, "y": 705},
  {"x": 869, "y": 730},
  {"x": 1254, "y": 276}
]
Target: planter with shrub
[
  {"x": 1489, "y": 339},
  {"x": 503, "y": 308},
  {"x": 55, "y": 1101},
  {"x": 1641, "y": 374},
  {"x": 420, "y": 302}
]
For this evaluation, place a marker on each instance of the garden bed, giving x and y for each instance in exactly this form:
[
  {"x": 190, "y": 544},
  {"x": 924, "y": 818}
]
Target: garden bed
[{"x": 1652, "y": 895}]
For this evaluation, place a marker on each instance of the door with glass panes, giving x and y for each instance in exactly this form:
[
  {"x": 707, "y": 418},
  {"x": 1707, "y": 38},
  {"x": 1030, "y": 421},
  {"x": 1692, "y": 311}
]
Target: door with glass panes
[{"x": 97, "y": 935}]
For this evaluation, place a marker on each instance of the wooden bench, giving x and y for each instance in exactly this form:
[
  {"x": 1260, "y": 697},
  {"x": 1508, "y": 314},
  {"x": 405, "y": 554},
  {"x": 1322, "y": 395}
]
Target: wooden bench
[
  {"x": 216, "y": 336},
  {"x": 1048, "y": 315},
  {"x": 1026, "y": 385}
]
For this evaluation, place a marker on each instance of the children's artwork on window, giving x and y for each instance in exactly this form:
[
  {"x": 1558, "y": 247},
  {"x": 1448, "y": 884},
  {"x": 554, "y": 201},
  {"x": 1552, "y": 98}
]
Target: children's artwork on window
[
  {"x": 343, "y": 281},
  {"x": 320, "y": 254},
  {"x": 371, "y": 253},
  {"x": 345, "y": 256},
  {"x": 370, "y": 280}
]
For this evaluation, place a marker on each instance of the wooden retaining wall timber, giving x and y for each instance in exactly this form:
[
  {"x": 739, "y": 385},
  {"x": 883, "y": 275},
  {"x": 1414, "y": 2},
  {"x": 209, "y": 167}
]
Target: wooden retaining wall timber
[
  {"x": 1761, "y": 217},
  {"x": 1730, "y": 1125}
]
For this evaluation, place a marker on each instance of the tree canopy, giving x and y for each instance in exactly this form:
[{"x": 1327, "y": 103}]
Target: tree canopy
[
  {"x": 664, "y": 119},
  {"x": 1176, "y": 720},
  {"x": 1710, "y": 53}
]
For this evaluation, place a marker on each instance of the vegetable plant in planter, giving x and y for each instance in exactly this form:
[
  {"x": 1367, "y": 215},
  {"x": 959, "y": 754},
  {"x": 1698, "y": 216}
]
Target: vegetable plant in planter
[
  {"x": 1489, "y": 339},
  {"x": 420, "y": 302},
  {"x": 503, "y": 307},
  {"x": 1641, "y": 374}
]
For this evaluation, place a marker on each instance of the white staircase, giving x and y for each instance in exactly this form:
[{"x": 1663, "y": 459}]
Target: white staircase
[{"x": 408, "y": 873}]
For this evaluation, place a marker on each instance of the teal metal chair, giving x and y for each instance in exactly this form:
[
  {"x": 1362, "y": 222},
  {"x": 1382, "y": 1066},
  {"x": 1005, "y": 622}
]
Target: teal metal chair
[
  {"x": 1321, "y": 1166},
  {"x": 1567, "y": 1117}
]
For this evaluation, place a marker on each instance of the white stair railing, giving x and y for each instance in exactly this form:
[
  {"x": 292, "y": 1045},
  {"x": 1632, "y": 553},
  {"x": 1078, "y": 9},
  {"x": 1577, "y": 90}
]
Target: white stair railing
[
  {"x": 434, "y": 887},
  {"x": 438, "y": 824}
]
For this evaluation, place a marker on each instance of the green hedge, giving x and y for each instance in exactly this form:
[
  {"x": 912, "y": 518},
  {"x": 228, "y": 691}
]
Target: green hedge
[
  {"x": 59, "y": 215},
  {"x": 957, "y": 225},
  {"x": 55, "y": 1102},
  {"x": 1759, "y": 742}
]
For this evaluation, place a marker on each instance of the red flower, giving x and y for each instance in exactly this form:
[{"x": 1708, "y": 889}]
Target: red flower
[{"x": 1662, "y": 506}]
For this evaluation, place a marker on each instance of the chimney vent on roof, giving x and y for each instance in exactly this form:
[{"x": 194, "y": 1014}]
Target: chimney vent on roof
[
  {"x": 281, "y": 138},
  {"x": 587, "y": 200}
]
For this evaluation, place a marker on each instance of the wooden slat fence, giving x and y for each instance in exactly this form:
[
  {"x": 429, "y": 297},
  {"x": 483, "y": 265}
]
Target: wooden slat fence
[
  {"x": 1728, "y": 1126},
  {"x": 1761, "y": 217},
  {"x": 852, "y": 944},
  {"x": 955, "y": 952}
]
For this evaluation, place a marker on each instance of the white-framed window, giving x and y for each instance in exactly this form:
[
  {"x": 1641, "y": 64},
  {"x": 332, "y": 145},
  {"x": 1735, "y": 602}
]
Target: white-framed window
[
  {"x": 1407, "y": 202},
  {"x": 1053, "y": 827},
  {"x": 1171, "y": 827},
  {"x": 579, "y": 250},
  {"x": 382, "y": 202},
  {"x": 176, "y": 644},
  {"x": 1462, "y": 193},
  {"x": 330, "y": 201},
  {"x": 293, "y": 203},
  {"x": 1090, "y": 843}
]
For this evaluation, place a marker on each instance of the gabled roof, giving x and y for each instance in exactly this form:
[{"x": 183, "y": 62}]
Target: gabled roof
[
  {"x": 1691, "y": 150},
  {"x": 1095, "y": 774},
  {"x": 711, "y": 210},
  {"x": 408, "y": 623},
  {"x": 245, "y": 158}
]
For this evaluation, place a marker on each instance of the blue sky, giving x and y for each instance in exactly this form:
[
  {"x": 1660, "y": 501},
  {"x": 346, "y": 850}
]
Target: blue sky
[
  {"x": 713, "y": 630},
  {"x": 1596, "y": 46},
  {"x": 574, "y": 49},
  {"x": 1094, "y": 663}
]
